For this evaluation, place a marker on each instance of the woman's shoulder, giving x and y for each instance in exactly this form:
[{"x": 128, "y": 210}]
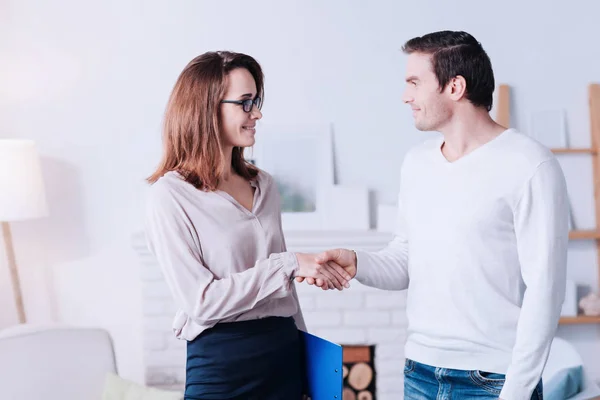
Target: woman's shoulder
[
  {"x": 171, "y": 188},
  {"x": 264, "y": 174},
  {"x": 168, "y": 183},
  {"x": 264, "y": 178}
]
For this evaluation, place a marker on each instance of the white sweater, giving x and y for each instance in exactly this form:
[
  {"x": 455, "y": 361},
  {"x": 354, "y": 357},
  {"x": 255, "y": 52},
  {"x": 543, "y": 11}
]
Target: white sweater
[{"x": 481, "y": 246}]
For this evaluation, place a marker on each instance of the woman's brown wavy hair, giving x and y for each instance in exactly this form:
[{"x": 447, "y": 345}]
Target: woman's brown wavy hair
[{"x": 192, "y": 143}]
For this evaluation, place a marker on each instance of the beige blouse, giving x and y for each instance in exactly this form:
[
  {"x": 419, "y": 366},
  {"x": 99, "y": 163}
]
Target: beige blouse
[{"x": 221, "y": 262}]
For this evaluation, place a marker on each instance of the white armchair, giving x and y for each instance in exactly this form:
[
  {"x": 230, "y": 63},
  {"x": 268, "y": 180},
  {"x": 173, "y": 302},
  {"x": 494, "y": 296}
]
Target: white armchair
[
  {"x": 564, "y": 371},
  {"x": 54, "y": 363}
]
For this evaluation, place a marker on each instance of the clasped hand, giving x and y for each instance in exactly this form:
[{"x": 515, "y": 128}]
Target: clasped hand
[{"x": 331, "y": 269}]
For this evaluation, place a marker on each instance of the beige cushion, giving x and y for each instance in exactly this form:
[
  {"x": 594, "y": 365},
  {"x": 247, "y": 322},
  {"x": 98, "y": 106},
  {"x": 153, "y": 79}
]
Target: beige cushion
[{"x": 117, "y": 388}]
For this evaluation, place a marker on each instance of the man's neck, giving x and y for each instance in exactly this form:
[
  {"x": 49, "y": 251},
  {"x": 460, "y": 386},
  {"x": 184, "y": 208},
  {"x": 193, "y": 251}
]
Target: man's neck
[{"x": 468, "y": 130}]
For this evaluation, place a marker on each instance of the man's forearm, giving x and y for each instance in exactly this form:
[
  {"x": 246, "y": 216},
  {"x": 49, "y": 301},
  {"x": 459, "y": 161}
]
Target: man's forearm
[{"x": 385, "y": 269}]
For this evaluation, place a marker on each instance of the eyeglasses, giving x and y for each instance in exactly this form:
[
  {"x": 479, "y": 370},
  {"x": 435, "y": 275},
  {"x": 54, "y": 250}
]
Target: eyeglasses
[{"x": 246, "y": 104}]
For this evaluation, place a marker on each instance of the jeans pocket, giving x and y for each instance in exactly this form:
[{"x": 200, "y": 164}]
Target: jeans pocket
[
  {"x": 409, "y": 366},
  {"x": 489, "y": 381},
  {"x": 539, "y": 391}
]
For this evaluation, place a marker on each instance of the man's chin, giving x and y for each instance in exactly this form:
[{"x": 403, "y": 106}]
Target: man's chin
[{"x": 424, "y": 128}]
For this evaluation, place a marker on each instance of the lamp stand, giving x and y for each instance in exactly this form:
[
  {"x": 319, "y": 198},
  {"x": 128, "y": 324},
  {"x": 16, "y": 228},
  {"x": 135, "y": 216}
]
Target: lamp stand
[{"x": 14, "y": 273}]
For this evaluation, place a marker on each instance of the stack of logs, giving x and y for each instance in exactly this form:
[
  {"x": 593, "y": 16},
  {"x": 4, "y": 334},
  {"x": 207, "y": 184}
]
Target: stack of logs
[{"x": 359, "y": 373}]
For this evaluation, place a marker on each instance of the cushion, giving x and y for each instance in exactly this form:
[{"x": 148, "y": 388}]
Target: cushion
[
  {"x": 564, "y": 384},
  {"x": 117, "y": 388}
]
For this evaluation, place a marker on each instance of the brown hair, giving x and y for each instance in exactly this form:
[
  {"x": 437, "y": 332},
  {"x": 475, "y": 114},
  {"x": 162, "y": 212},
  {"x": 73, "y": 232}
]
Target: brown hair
[{"x": 192, "y": 142}]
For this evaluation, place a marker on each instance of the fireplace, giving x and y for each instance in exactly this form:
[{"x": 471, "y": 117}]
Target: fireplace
[
  {"x": 370, "y": 324},
  {"x": 358, "y": 373}
]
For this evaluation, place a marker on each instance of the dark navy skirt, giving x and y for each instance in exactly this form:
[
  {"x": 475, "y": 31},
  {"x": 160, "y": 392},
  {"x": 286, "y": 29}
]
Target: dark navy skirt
[{"x": 258, "y": 359}]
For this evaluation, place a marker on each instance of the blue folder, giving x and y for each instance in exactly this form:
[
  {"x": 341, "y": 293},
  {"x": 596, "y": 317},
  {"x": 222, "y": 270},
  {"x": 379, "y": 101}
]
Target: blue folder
[{"x": 323, "y": 363}]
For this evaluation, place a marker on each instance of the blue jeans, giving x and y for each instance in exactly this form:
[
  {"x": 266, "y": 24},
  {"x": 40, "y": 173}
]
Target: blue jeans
[{"x": 424, "y": 382}]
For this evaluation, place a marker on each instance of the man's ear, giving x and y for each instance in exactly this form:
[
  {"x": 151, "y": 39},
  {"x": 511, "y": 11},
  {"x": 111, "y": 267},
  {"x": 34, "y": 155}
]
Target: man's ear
[{"x": 457, "y": 87}]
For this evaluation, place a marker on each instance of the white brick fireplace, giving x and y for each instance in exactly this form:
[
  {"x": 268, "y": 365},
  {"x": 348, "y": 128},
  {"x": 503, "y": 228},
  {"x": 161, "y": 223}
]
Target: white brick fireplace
[{"x": 356, "y": 316}]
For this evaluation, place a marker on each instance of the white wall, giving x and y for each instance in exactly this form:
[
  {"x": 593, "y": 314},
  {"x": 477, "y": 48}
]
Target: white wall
[{"x": 89, "y": 80}]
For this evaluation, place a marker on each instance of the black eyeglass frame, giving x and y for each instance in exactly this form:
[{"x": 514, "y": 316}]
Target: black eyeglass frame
[{"x": 247, "y": 103}]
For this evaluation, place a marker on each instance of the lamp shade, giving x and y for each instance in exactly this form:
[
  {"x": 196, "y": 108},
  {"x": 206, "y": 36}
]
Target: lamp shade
[{"x": 22, "y": 194}]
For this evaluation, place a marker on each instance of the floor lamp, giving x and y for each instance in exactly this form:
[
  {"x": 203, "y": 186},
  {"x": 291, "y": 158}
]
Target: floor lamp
[{"x": 22, "y": 197}]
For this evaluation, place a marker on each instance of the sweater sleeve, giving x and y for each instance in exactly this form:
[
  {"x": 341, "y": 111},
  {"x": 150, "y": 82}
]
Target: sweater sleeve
[
  {"x": 387, "y": 268},
  {"x": 542, "y": 232},
  {"x": 172, "y": 239}
]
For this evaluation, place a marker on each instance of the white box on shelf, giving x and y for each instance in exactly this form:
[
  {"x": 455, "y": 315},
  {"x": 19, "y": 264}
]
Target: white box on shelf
[
  {"x": 346, "y": 208},
  {"x": 569, "y": 307}
]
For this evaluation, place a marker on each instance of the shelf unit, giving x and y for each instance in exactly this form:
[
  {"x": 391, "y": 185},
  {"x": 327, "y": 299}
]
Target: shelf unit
[{"x": 503, "y": 118}]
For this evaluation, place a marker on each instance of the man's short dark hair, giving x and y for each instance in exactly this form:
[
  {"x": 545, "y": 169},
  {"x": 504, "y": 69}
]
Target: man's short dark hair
[{"x": 458, "y": 53}]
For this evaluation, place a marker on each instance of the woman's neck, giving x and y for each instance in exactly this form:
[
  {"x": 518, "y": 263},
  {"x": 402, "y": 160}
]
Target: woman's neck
[{"x": 229, "y": 171}]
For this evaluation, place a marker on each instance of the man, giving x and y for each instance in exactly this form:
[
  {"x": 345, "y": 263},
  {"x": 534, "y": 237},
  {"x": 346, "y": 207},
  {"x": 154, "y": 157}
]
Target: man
[{"x": 481, "y": 238}]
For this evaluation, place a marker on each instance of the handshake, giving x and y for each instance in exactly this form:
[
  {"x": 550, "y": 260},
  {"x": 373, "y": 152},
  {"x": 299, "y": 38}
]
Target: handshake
[{"x": 331, "y": 269}]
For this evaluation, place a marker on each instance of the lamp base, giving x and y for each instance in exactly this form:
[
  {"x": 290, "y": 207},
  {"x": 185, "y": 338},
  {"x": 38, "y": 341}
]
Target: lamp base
[{"x": 14, "y": 273}]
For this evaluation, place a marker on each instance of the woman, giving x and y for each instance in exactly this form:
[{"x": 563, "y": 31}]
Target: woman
[{"x": 214, "y": 225}]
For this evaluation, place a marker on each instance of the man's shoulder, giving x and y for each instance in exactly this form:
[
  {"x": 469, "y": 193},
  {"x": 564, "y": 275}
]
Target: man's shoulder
[
  {"x": 526, "y": 152},
  {"x": 526, "y": 143}
]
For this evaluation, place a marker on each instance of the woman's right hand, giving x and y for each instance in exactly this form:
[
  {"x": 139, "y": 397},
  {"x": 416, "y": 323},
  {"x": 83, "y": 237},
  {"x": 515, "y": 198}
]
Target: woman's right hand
[{"x": 327, "y": 275}]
